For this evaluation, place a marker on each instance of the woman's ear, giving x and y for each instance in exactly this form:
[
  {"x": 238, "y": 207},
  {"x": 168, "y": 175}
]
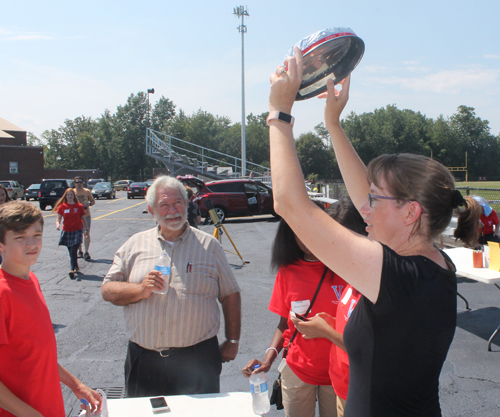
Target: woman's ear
[{"x": 414, "y": 212}]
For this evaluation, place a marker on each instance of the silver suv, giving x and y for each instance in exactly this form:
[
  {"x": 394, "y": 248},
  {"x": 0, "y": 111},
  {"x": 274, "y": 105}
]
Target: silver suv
[{"x": 14, "y": 189}]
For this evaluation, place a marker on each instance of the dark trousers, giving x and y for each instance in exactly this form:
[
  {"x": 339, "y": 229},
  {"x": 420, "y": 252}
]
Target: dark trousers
[
  {"x": 73, "y": 256},
  {"x": 180, "y": 371},
  {"x": 488, "y": 238}
]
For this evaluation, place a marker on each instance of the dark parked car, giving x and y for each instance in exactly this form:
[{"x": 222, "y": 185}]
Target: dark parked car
[
  {"x": 51, "y": 191},
  {"x": 137, "y": 189},
  {"x": 104, "y": 189},
  {"x": 91, "y": 183},
  {"x": 32, "y": 192},
  {"x": 232, "y": 198}
]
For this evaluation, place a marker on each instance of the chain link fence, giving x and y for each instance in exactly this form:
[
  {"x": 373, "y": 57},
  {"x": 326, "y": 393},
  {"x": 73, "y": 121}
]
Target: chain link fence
[{"x": 491, "y": 195}]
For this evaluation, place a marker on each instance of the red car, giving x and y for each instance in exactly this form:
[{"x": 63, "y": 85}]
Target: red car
[
  {"x": 232, "y": 198},
  {"x": 137, "y": 189}
]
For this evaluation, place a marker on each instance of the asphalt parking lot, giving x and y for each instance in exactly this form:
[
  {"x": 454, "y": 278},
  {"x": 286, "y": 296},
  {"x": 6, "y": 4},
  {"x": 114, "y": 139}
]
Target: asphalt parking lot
[{"x": 91, "y": 334}]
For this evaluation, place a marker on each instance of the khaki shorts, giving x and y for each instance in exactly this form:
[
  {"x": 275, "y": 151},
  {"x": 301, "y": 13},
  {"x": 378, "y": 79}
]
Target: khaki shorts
[{"x": 299, "y": 398}]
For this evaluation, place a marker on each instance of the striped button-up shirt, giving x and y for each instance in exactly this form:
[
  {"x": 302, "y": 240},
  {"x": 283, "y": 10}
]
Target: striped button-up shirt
[{"x": 199, "y": 276}]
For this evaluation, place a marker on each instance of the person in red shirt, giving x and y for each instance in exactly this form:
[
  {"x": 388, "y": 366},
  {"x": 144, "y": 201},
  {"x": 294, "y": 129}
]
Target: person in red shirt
[
  {"x": 488, "y": 232},
  {"x": 30, "y": 375},
  {"x": 73, "y": 214},
  {"x": 326, "y": 326}
]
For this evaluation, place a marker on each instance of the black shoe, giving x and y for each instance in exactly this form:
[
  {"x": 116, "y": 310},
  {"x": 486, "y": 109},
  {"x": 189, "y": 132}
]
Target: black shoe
[
  {"x": 80, "y": 254},
  {"x": 86, "y": 256},
  {"x": 72, "y": 274}
]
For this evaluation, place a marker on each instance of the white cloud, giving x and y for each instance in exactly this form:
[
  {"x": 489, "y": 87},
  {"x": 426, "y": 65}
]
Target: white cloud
[
  {"x": 27, "y": 37},
  {"x": 491, "y": 56},
  {"x": 19, "y": 35},
  {"x": 447, "y": 81}
]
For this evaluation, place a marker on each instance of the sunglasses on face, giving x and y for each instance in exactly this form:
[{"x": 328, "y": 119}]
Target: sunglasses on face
[
  {"x": 373, "y": 197},
  {"x": 78, "y": 182}
]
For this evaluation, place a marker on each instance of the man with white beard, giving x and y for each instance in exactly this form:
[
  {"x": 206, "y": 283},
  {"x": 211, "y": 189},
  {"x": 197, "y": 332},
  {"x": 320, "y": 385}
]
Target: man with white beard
[{"x": 173, "y": 347}]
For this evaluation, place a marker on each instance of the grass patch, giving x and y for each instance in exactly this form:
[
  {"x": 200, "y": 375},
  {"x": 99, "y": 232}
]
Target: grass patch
[
  {"x": 478, "y": 184},
  {"x": 486, "y": 189}
]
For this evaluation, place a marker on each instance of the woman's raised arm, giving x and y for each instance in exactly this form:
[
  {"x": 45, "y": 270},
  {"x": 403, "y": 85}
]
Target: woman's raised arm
[
  {"x": 356, "y": 259},
  {"x": 351, "y": 166}
]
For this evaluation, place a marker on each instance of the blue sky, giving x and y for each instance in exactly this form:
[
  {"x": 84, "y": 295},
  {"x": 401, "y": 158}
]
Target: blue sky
[{"x": 63, "y": 59}]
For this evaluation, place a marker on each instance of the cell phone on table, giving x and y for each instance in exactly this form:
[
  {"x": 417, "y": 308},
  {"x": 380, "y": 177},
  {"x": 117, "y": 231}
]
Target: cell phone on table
[
  {"x": 159, "y": 405},
  {"x": 299, "y": 316}
]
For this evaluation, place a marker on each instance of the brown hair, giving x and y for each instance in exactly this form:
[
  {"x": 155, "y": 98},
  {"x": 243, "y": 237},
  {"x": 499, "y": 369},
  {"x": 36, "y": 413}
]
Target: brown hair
[
  {"x": 7, "y": 198},
  {"x": 418, "y": 178},
  {"x": 190, "y": 193},
  {"x": 468, "y": 221},
  {"x": 64, "y": 198},
  {"x": 18, "y": 216}
]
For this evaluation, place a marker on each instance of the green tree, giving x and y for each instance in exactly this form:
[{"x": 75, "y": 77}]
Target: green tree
[
  {"x": 314, "y": 156},
  {"x": 257, "y": 139},
  {"x": 163, "y": 111},
  {"x": 473, "y": 135}
]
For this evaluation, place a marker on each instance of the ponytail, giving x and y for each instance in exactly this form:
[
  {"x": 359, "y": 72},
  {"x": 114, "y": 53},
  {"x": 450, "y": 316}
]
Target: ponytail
[{"x": 469, "y": 213}]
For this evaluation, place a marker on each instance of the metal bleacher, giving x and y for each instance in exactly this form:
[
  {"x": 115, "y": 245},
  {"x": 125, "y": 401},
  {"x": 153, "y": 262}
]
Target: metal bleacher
[{"x": 181, "y": 157}]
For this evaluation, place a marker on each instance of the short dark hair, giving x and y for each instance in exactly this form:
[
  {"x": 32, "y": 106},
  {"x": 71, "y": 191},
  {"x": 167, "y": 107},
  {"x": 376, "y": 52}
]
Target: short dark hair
[
  {"x": 286, "y": 250},
  {"x": 18, "y": 216},
  {"x": 344, "y": 212}
]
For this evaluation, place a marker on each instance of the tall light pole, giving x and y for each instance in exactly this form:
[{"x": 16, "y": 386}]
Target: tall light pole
[
  {"x": 150, "y": 91},
  {"x": 240, "y": 11}
]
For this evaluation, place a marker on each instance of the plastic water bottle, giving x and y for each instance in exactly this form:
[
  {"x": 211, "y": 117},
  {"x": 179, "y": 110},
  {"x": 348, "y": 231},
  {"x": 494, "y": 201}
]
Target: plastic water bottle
[
  {"x": 259, "y": 390},
  {"x": 163, "y": 265}
]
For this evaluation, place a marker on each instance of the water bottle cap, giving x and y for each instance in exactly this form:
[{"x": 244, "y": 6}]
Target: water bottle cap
[{"x": 256, "y": 366}]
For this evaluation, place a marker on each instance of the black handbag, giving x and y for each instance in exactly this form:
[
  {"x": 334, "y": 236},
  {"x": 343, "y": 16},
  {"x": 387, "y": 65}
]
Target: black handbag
[{"x": 277, "y": 394}]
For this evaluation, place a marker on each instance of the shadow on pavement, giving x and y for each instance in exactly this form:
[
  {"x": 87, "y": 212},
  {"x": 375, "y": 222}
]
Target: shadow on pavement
[
  {"x": 481, "y": 322},
  {"x": 82, "y": 277},
  {"x": 100, "y": 261},
  {"x": 57, "y": 327}
]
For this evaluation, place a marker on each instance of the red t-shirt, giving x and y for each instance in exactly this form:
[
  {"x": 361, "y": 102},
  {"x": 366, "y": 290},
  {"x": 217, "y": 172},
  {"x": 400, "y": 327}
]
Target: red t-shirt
[
  {"x": 72, "y": 215},
  {"x": 28, "y": 352},
  {"x": 339, "y": 362},
  {"x": 293, "y": 291},
  {"x": 489, "y": 222}
]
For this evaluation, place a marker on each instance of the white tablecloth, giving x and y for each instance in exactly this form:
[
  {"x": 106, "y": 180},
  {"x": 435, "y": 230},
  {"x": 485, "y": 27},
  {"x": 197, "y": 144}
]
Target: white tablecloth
[
  {"x": 229, "y": 404},
  {"x": 462, "y": 258}
]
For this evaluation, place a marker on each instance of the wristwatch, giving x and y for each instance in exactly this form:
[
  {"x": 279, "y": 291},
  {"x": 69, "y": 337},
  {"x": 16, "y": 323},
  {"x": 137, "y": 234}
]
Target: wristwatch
[{"x": 279, "y": 115}]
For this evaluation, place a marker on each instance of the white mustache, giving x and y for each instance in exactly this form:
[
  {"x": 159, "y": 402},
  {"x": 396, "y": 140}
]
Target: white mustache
[{"x": 172, "y": 216}]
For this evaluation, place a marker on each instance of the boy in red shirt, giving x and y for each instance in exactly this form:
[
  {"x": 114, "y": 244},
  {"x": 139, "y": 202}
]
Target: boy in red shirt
[{"x": 29, "y": 373}]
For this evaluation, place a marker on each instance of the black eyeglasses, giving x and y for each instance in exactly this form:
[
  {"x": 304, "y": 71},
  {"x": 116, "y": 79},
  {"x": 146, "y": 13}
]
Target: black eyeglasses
[
  {"x": 78, "y": 182},
  {"x": 373, "y": 197}
]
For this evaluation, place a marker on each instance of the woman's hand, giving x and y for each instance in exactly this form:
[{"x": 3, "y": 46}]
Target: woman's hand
[
  {"x": 248, "y": 369},
  {"x": 58, "y": 225},
  {"x": 319, "y": 326},
  {"x": 91, "y": 400},
  {"x": 286, "y": 83},
  {"x": 336, "y": 100}
]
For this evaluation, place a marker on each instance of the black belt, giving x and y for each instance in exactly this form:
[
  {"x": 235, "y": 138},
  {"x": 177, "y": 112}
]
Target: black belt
[{"x": 166, "y": 352}]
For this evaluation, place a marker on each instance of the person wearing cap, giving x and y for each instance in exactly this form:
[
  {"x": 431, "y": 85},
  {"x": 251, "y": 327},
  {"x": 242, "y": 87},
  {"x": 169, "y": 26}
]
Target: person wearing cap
[{"x": 490, "y": 222}]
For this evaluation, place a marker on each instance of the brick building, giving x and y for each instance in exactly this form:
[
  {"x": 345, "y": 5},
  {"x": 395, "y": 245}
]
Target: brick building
[{"x": 19, "y": 162}]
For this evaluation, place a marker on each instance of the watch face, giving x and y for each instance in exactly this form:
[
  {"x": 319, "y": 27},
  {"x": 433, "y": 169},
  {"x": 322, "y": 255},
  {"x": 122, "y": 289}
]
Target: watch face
[{"x": 330, "y": 53}]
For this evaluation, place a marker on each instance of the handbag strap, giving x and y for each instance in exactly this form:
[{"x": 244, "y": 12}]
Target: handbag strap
[{"x": 307, "y": 312}]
